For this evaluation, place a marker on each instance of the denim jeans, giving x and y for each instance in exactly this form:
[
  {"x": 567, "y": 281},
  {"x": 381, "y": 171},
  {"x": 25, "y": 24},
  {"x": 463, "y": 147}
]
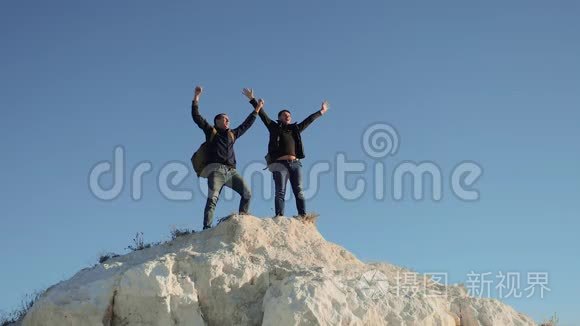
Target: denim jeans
[
  {"x": 223, "y": 175},
  {"x": 282, "y": 171}
]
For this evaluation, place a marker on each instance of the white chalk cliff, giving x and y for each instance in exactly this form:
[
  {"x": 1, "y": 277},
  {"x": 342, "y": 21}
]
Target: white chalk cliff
[{"x": 252, "y": 271}]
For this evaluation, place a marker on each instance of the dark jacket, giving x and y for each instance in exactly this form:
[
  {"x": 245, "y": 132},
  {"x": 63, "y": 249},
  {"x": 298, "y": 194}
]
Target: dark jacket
[
  {"x": 275, "y": 127},
  {"x": 222, "y": 146}
]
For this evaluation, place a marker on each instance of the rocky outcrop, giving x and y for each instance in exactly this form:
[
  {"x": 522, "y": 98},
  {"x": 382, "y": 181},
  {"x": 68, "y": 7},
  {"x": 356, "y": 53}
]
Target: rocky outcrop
[{"x": 251, "y": 271}]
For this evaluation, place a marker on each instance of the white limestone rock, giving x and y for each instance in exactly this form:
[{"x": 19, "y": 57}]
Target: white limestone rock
[{"x": 250, "y": 271}]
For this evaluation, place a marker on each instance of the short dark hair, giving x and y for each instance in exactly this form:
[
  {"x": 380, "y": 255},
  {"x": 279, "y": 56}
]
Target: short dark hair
[
  {"x": 279, "y": 113},
  {"x": 215, "y": 119}
]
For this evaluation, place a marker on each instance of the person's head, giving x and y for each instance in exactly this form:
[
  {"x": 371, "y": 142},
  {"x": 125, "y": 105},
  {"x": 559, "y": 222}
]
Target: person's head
[
  {"x": 284, "y": 116},
  {"x": 221, "y": 121}
]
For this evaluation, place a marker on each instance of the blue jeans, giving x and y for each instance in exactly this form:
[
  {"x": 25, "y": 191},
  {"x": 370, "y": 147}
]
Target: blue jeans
[
  {"x": 282, "y": 171},
  {"x": 221, "y": 176}
]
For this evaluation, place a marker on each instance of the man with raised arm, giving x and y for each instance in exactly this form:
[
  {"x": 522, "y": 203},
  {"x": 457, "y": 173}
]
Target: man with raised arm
[
  {"x": 285, "y": 150},
  {"x": 221, "y": 158}
]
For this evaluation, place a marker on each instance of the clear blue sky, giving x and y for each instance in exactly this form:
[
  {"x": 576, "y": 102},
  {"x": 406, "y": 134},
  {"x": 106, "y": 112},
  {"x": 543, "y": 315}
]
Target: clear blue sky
[{"x": 495, "y": 82}]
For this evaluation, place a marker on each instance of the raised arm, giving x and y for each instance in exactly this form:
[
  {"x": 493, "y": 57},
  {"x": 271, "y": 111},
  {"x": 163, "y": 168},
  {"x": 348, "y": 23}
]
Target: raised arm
[
  {"x": 304, "y": 124},
  {"x": 263, "y": 115},
  {"x": 242, "y": 128},
  {"x": 249, "y": 93},
  {"x": 197, "y": 118}
]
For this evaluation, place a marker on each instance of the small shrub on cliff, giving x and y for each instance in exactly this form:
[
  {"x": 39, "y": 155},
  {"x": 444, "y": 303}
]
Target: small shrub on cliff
[
  {"x": 19, "y": 313},
  {"x": 139, "y": 243},
  {"x": 104, "y": 257},
  {"x": 553, "y": 321},
  {"x": 176, "y": 233}
]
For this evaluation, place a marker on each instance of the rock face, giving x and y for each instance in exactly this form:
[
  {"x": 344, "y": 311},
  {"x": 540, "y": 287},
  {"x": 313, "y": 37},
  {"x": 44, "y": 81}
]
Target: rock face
[{"x": 251, "y": 271}]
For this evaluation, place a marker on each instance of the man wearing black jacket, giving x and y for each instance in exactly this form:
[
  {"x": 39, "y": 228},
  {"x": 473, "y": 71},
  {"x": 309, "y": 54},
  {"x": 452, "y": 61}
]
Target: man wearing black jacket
[
  {"x": 221, "y": 157},
  {"x": 285, "y": 149}
]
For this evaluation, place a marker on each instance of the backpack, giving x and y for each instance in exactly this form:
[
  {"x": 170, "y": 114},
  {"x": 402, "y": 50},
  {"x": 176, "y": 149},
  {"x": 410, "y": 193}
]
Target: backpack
[{"x": 199, "y": 159}]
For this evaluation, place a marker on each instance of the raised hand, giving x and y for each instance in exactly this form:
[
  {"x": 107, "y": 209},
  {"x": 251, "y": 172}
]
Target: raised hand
[
  {"x": 248, "y": 92},
  {"x": 260, "y": 105},
  {"x": 197, "y": 92},
  {"x": 324, "y": 107}
]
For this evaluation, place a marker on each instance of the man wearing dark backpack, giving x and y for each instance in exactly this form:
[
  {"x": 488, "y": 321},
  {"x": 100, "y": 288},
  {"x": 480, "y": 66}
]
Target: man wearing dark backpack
[
  {"x": 220, "y": 157},
  {"x": 285, "y": 149}
]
